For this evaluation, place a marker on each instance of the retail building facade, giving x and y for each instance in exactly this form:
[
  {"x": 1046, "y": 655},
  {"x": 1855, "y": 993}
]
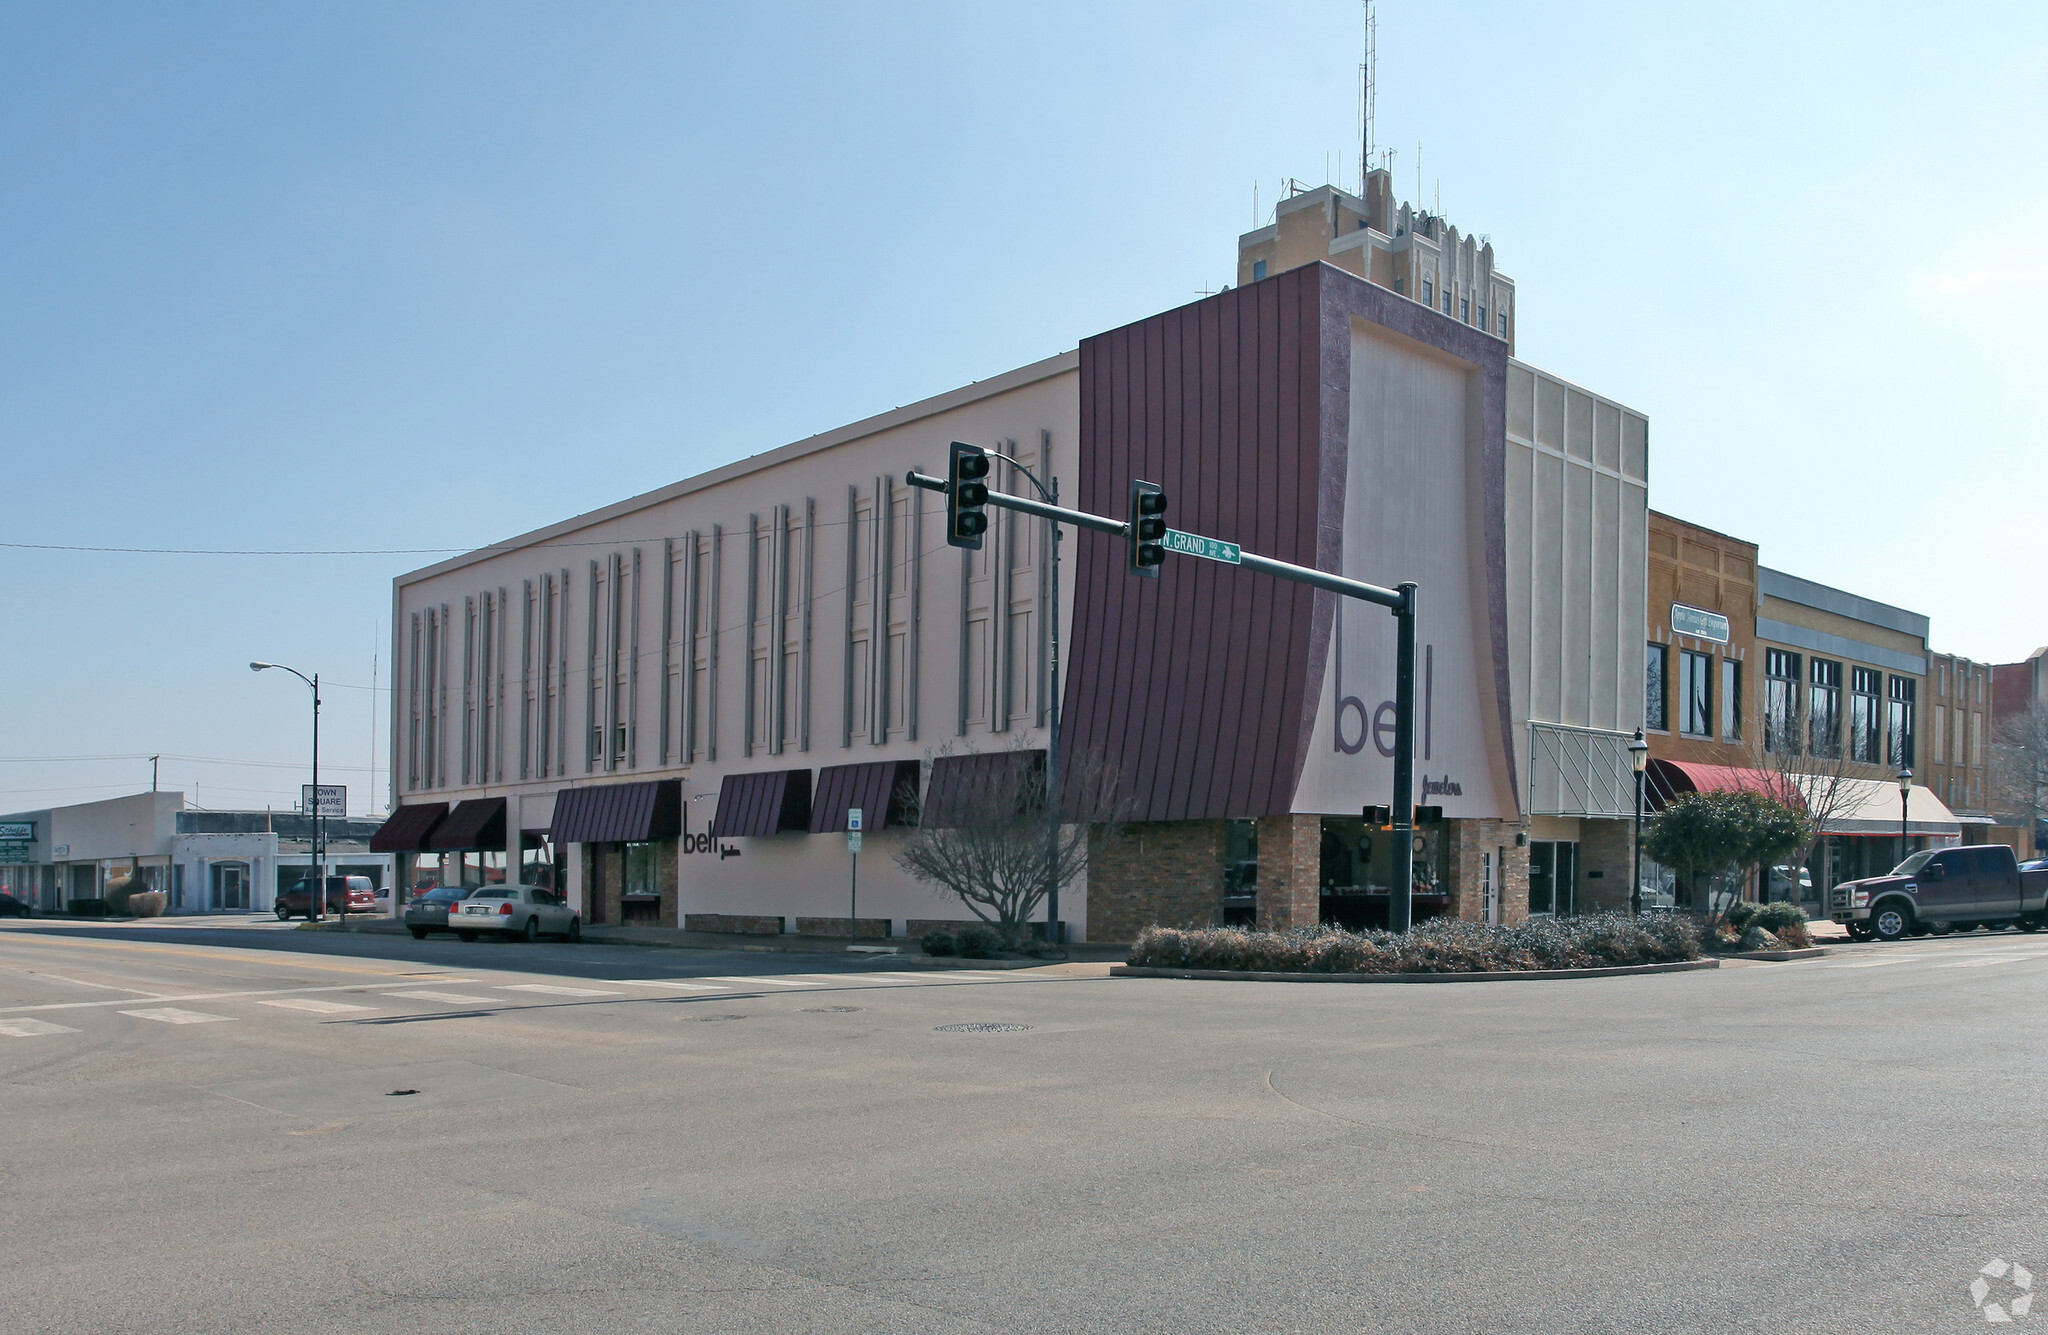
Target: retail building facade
[{"x": 676, "y": 700}]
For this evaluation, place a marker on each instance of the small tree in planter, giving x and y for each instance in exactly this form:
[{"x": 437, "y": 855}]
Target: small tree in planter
[
  {"x": 995, "y": 841},
  {"x": 1701, "y": 834}
]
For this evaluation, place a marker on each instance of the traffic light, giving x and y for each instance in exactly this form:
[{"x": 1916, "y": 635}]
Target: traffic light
[
  {"x": 1429, "y": 815},
  {"x": 966, "y": 494},
  {"x": 1148, "y": 528},
  {"x": 1379, "y": 815}
]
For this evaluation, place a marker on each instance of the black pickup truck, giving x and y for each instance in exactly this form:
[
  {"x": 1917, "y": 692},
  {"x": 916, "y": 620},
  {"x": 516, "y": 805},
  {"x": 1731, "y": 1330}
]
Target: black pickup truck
[{"x": 1941, "y": 890}]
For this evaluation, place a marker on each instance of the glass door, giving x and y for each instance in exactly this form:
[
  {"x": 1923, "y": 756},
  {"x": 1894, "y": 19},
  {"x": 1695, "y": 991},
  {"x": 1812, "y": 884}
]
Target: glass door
[
  {"x": 1553, "y": 877},
  {"x": 230, "y": 887}
]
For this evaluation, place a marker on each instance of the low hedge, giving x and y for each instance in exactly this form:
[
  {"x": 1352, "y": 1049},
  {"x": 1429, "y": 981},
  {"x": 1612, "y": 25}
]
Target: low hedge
[{"x": 1441, "y": 945}]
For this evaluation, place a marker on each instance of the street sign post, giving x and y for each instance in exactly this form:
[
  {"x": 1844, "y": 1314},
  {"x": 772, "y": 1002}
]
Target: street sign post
[
  {"x": 853, "y": 833},
  {"x": 333, "y": 799},
  {"x": 1209, "y": 549}
]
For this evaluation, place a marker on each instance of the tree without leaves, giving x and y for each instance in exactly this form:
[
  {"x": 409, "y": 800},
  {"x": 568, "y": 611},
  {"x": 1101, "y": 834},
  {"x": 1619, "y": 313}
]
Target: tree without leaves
[
  {"x": 1817, "y": 779},
  {"x": 2019, "y": 760},
  {"x": 992, "y": 841}
]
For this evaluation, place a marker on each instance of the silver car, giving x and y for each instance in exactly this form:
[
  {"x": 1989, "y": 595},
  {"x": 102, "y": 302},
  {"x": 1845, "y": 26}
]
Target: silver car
[{"x": 525, "y": 911}]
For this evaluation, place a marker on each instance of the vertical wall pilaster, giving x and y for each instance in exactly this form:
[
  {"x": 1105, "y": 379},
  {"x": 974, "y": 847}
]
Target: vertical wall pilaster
[{"x": 1290, "y": 872}]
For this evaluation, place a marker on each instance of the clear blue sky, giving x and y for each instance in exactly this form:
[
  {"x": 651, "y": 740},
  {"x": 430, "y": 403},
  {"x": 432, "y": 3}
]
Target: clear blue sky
[{"x": 425, "y": 275}]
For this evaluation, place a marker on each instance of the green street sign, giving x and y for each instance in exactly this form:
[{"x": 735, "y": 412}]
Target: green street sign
[
  {"x": 17, "y": 830},
  {"x": 1209, "y": 549}
]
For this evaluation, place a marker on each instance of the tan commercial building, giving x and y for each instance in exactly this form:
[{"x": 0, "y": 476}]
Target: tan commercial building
[{"x": 672, "y": 703}]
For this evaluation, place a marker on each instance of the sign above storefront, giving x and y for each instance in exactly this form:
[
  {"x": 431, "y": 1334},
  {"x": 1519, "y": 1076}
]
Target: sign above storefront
[
  {"x": 333, "y": 799},
  {"x": 23, "y": 831},
  {"x": 1699, "y": 623},
  {"x": 13, "y": 851}
]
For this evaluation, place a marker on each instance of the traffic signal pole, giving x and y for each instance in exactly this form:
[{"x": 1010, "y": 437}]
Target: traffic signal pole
[{"x": 1400, "y": 601}]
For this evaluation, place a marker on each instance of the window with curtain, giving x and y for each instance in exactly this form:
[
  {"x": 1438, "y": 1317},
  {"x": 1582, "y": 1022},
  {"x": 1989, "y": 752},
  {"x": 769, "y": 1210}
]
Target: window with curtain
[{"x": 1695, "y": 685}]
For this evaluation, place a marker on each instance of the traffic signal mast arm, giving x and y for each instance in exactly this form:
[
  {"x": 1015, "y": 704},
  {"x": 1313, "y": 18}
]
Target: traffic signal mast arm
[
  {"x": 1395, "y": 599},
  {"x": 1401, "y": 602}
]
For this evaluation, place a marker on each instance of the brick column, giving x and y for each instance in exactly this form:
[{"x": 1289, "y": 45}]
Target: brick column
[
  {"x": 1604, "y": 865},
  {"x": 1155, "y": 873},
  {"x": 1469, "y": 839},
  {"x": 1290, "y": 872}
]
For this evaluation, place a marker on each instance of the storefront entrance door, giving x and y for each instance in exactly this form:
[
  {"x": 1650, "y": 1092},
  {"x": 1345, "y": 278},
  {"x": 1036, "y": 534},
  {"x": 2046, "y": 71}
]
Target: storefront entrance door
[
  {"x": 230, "y": 887},
  {"x": 1553, "y": 877}
]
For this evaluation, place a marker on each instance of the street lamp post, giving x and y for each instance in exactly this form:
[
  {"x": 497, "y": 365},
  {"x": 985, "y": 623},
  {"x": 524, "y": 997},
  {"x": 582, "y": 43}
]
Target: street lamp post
[
  {"x": 317, "y": 895},
  {"x": 1905, "y": 795},
  {"x": 1051, "y": 496},
  {"x": 1639, "y": 759}
]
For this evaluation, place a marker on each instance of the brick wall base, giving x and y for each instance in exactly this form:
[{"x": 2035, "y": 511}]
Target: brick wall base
[
  {"x": 1604, "y": 847},
  {"x": 751, "y": 924},
  {"x": 1466, "y": 875},
  {"x": 1290, "y": 872},
  {"x": 867, "y": 929},
  {"x": 1156, "y": 873}
]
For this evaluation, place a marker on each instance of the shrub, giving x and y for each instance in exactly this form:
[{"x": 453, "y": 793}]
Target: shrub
[
  {"x": 1778, "y": 915},
  {"x": 977, "y": 943},
  {"x": 1441, "y": 945},
  {"x": 1795, "y": 935},
  {"x": 937, "y": 942},
  {"x": 1741, "y": 914}
]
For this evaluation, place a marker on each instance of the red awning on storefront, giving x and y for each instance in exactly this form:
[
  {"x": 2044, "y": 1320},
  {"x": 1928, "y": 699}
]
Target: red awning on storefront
[
  {"x": 619, "y": 813},
  {"x": 478, "y": 823},
  {"x": 1666, "y": 779},
  {"x": 406, "y": 830}
]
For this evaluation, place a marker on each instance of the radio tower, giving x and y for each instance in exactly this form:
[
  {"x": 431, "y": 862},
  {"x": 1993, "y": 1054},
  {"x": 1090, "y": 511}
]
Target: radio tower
[{"x": 1368, "y": 96}]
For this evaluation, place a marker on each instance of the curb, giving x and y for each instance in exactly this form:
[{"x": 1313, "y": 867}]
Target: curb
[
  {"x": 1810, "y": 953},
  {"x": 1497, "y": 976}
]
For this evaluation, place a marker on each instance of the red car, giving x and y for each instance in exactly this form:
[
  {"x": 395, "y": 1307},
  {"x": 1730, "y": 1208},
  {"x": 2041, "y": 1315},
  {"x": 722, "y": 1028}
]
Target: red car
[{"x": 345, "y": 895}]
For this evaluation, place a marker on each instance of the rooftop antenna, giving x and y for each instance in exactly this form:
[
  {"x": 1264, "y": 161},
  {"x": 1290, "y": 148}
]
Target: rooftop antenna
[
  {"x": 1368, "y": 94},
  {"x": 1418, "y": 174}
]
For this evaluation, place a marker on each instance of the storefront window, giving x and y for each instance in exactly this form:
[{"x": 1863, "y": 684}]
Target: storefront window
[
  {"x": 537, "y": 860},
  {"x": 1696, "y": 675},
  {"x": 1902, "y": 721},
  {"x": 642, "y": 870},
  {"x": 1824, "y": 709},
  {"x": 1781, "y": 702},
  {"x": 1864, "y": 729},
  {"x": 1655, "y": 716}
]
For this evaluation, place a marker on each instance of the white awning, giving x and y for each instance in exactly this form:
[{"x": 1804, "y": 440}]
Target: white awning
[{"x": 1871, "y": 806}]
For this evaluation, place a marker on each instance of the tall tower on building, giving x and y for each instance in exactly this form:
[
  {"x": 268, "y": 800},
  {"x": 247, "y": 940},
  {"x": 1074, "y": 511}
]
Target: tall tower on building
[{"x": 1416, "y": 253}]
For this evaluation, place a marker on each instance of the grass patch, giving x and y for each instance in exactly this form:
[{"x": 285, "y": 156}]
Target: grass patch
[{"x": 1441, "y": 945}]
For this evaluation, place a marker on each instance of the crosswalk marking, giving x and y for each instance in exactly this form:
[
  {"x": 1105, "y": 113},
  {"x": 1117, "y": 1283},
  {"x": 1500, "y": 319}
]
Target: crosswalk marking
[
  {"x": 767, "y": 982},
  {"x": 315, "y": 1006},
  {"x": 172, "y": 1015},
  {"x": 458, "y": 998},
  {"x": 666, "y": 983},
  {"x": 554, "y": 991},
  {"x": 32, "y": 1028}
]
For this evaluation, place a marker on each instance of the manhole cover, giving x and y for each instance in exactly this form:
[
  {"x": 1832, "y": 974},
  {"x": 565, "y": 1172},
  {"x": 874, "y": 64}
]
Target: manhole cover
[
  {"x": 981, "y": 1027},
  {"x": 711, "y": 1019},
  {"x": 828, "y": 1010}
]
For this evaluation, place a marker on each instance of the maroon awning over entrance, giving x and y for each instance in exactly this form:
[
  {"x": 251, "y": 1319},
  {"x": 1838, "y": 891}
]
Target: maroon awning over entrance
[
  {"x": 406, "y": 829},
  {"x": 619, "y": 813},
  {"x": 476, "y": 823},
  {"x": 762, "y": 803}
]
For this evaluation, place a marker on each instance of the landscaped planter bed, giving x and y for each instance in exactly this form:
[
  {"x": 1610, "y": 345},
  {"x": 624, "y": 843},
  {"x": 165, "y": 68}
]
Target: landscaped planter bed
[{"x": 1445, "y": 948}]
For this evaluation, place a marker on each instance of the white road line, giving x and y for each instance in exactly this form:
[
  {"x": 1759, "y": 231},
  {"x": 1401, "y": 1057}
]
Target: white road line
[
  {"x": 205, "y": 996},
  {"x": 32, "y": 1028},
  {"x": 172, "y": 1015},
  {"x": 554, "y": 991},
  {"x": 1996, "y": 959},
  {"x": 458, "y": 998},
  {"x": 765, "y": 982},
  {"x": 1868, "y": 964},
  {"x": 666, "y": 984},
  {"x": 104, "y": 987},
  {"x": 316, "y": 1007}
]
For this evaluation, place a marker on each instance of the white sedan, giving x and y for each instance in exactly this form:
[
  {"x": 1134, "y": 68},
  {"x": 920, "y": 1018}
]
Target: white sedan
[{"x": 525, "y": 911}]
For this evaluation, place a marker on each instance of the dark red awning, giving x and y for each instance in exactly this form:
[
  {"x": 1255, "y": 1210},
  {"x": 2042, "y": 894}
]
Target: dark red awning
[
  {"x": 618, "y": 813},
  {"x": 476, "y": 823},
  {"x": 1666, "y": 779},
  {"x": 982, "y": 785},
  {"x": 406, "y": 829},
  {"x": 884, "y": 790},
  {"x": 763, "y": 803}
]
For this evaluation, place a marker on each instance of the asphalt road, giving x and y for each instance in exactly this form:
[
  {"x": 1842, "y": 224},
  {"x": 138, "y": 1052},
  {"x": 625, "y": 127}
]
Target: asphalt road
[{"x": 198, "y": 1132}]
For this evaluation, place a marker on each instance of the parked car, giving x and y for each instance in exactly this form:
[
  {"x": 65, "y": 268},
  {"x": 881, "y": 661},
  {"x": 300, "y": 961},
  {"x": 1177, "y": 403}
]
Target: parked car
[
  {"x": 345, "y": 895},
  {"x": 428, "y": 909},
  {"x": 1942, "y": 890},
  {"x": 526, "y": 911},
  {"x": 10, "y": 907}
]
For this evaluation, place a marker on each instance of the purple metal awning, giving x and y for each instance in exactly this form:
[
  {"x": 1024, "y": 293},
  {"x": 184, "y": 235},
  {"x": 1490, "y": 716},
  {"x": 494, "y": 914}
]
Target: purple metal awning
[
  {"x": 762, "y": 803},
  {"x": 884, "y": 790},
  {"x": 406, "y": 829},
  {"x": 618, "y": 813}
]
